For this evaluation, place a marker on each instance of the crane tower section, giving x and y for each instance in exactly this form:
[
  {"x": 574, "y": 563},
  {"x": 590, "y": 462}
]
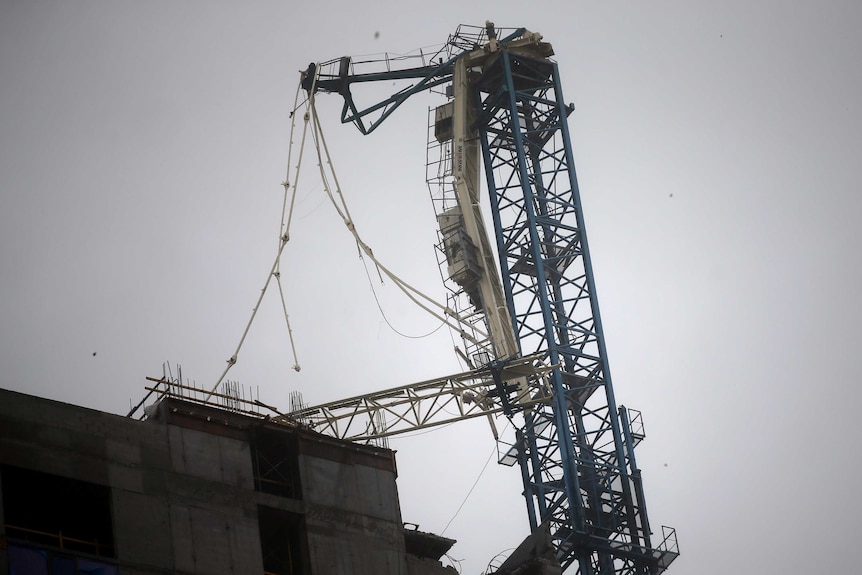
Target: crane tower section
[{"x": 575, "y": 445}]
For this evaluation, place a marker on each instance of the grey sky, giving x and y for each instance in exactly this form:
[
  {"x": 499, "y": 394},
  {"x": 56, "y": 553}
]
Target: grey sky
[{"x": 142, "y": 148}]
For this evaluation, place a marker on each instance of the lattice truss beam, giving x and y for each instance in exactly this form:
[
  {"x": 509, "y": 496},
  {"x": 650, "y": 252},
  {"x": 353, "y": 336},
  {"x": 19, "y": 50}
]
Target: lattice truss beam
[{"x": 487, "y": 391}]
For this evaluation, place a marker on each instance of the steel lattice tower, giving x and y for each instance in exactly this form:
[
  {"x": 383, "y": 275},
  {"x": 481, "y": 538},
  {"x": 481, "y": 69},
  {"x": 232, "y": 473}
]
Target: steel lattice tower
[
  {"x": 575, "y": 447},
  {"x": 578, "y": 467}
]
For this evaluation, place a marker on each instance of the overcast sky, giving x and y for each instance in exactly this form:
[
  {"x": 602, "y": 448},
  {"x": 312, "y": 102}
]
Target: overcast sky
[{"x": 142, "y": 150}]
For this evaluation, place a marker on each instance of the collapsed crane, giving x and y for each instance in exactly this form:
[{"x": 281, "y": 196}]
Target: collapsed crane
[{"x": 543, "y": 363}]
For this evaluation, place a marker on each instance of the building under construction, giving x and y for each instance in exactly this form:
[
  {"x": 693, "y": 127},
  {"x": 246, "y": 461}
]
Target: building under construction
[
  {"x": 207, "y": 488},
  {"x": 196, "y": 489}
]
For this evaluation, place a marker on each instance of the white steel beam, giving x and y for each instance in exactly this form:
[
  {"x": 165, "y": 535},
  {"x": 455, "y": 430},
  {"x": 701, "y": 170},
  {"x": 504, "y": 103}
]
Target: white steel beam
[{"x": 429, "y": 403}]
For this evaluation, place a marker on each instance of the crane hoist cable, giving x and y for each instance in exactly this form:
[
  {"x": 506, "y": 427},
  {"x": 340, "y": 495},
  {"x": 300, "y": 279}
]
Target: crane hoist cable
[
  {"x": 383, "y": 313},
  {"x": 344, "y": 212},
  {"x": 443, "y": 312},
  {"x": 283, "y": 238},
  {"x": 411, "y": 292}
]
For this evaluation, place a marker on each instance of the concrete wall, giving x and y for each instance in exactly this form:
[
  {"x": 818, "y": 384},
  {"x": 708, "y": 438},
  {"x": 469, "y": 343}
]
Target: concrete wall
[
  {"x": 352, "y": 518},
  {"x": 182, "y": 488},
  {"x": 178, "y": 505}
]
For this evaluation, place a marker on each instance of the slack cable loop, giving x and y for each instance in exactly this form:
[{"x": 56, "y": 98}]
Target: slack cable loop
[
  {"x": 383, "y": 314},
  {"x": 343, "y": 211},
  {"x": 318, "y": 133},
  {"x": 340, "y": 205}
]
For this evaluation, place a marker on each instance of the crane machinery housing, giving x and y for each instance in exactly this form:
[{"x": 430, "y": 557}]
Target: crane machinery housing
[{"x": 527, "y": 293}]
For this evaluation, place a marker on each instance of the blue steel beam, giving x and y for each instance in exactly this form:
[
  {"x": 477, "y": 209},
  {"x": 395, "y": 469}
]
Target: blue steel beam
[{"x": 577, "y": 481}]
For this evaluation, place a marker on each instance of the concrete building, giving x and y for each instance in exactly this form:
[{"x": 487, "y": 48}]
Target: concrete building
[{"x": 195, "y": 489}]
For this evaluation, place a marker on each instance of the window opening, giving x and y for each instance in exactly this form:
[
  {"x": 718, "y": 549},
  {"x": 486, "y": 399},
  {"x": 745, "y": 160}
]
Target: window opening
[
  {"x": 53, "y": 511},
  {"x": 276, "y": 463},
  {"x": 282, "y": 542}
]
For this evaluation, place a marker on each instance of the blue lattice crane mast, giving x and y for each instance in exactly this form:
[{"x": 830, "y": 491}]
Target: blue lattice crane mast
[{"x": 574, "y": 444}]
